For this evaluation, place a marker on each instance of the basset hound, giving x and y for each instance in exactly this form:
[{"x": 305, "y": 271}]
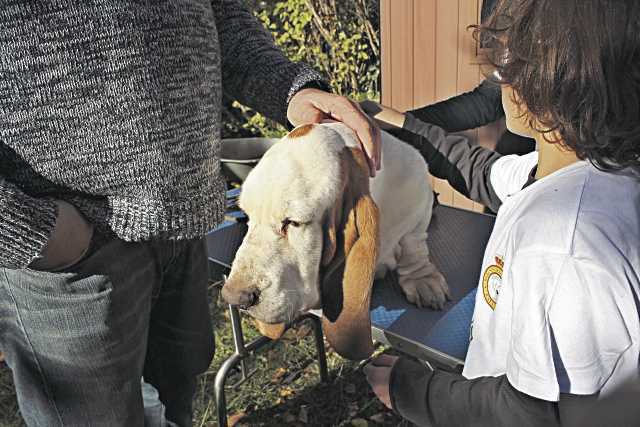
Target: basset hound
[{"x": 320, "y": 230}]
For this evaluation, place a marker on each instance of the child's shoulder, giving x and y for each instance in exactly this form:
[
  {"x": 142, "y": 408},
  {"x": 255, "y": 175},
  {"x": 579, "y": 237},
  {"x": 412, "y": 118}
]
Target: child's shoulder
[
  {"x": 578, "y": 208},
  {"x": 609, "y": 213}
]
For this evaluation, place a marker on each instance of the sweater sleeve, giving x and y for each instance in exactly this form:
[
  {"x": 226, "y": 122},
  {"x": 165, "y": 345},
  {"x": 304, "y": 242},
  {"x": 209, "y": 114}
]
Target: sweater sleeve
[
  {"x": 465, "y": 166},
  {"x": 25, "y": 225},
  {"x": 254, "y": 70},
  {"x": 437, "y": 398},
  {"x": 469, "y": 110}
]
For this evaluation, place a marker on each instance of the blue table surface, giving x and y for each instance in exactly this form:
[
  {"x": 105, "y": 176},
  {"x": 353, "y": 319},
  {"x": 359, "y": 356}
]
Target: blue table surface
[{"x": 456, "y": 240}]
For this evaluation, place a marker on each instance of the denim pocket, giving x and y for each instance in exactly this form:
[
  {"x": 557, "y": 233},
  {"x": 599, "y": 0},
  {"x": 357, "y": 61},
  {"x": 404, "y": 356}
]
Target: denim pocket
[{"x": 67, "y": 285}]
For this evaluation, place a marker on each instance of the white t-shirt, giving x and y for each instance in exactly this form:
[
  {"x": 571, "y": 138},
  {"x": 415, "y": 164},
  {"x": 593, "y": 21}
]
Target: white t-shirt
[{"x": 556, "y": 308}]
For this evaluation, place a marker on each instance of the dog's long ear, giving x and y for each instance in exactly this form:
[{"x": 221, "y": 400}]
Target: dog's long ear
[
  {"x": 332, "y": 220},
  {"x": 348, "y": 278}
]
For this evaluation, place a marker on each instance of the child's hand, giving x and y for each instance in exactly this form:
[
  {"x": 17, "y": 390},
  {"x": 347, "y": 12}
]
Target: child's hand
[
  {"x": 378, "y": 373},
  {"x": 385, "y": 117}
]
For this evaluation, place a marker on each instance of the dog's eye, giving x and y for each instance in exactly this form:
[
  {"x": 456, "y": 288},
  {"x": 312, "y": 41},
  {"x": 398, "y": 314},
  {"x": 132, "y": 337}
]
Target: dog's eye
[{"x": 285, "y": 225}]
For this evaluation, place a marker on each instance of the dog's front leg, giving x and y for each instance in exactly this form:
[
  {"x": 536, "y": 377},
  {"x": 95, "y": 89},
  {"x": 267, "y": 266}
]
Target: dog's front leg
[{"x": 419, "y": 278}]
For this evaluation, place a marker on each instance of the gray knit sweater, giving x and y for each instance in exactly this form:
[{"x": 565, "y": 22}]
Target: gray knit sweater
[{"x": 114, "y": 106}]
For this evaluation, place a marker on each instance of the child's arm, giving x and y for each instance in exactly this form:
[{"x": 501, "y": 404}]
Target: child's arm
[
  {"x": 465, "y": 166},
  {"x": 437, "y": 398},
  {"x": 386, "y": 117},
  {"x": 469, "y": 110}
]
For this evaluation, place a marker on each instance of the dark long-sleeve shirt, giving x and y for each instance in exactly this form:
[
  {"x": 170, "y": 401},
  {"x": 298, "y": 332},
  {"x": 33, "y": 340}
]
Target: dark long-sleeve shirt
[
  {"x": 469, "y": 110},
  {"x": 465, "y": 166},
  {"x": 473, "y": 109},
  {"x": 437, "y": 398}
]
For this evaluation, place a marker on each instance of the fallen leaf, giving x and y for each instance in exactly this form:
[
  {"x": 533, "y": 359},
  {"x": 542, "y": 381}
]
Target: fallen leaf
[
  {"x": 359, "y": 422},
  {"x": 286, "y": 392},
  {"x": 234, "y": 419},
  {"x": 278, "y": 374}
]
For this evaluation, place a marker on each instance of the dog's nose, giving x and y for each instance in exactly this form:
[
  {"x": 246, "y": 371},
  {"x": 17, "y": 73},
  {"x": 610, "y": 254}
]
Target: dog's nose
[{"x": 242, "y": 298}]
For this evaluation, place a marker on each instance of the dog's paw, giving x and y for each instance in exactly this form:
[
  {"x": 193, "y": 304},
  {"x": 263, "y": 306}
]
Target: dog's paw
[{"x": 430, "y": 291}]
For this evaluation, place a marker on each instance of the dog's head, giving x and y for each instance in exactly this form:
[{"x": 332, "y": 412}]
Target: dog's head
[{"x": 312, "y": 240}]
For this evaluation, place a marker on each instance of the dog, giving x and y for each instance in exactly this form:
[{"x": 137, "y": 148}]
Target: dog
[{"x": 320, "y": 231}]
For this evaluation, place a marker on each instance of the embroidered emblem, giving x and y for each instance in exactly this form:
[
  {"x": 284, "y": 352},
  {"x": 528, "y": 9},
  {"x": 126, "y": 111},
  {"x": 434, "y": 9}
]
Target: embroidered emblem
[{"x": 492, "y": 281}]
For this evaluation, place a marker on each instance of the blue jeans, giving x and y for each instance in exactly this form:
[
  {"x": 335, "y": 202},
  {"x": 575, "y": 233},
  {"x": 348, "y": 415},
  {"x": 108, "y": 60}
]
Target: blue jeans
[{"x": 78, "y": 341}]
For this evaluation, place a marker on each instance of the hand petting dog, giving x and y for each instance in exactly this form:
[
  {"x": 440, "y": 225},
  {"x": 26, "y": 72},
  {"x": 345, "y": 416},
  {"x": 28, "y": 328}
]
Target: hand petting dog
[{"x": 314, "y": 106}]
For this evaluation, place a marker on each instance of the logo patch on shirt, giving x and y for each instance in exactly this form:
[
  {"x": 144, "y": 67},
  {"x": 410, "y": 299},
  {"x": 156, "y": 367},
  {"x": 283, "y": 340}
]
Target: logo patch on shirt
[{"x": 492, "y": 281}]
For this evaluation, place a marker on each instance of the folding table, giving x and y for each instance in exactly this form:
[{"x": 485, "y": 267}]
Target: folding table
[{"x": 457, "y": 239}]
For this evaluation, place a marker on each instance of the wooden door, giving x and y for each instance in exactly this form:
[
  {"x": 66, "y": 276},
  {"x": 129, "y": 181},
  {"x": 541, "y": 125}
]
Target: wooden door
[{"x": 428, "y": 55}]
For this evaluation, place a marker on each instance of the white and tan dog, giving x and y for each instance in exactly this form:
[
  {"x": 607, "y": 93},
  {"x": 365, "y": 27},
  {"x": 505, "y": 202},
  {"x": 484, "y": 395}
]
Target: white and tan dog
[{"x": 317, "y": 235}]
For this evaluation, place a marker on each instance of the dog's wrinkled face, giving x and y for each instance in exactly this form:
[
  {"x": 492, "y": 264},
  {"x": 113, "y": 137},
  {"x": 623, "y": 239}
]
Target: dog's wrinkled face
[{"x": 287, "y": 197}]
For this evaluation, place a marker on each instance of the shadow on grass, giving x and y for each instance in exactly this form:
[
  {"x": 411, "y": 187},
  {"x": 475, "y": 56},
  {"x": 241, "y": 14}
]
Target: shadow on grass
[{"x": 344, "y": 400}]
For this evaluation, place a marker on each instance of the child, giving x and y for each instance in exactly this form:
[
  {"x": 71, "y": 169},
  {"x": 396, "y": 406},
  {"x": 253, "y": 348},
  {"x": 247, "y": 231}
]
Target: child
[{"x": 556, "y": 321}]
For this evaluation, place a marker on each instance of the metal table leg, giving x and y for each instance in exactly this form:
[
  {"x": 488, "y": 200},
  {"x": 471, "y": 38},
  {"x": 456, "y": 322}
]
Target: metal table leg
[
  {"x": 221, "y": 378},
  {"x": 243, "y": 351},
  {"x": 319, "y": 340}
]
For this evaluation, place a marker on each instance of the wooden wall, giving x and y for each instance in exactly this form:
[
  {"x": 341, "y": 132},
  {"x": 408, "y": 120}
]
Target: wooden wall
[{"x": 428, "y": 54}]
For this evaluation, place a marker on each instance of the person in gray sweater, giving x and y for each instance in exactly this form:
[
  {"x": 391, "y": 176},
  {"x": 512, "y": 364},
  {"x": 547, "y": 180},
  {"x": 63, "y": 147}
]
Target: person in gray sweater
[{"x": 110, "y": 178}]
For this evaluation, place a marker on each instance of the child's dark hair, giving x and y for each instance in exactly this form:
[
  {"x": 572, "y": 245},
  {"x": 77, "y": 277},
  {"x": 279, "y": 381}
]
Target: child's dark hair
[{"x": 575, "y": 65}]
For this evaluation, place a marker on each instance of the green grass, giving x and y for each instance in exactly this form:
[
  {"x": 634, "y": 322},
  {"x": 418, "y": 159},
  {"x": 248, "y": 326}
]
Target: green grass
[{"x": 285, "y": 390}]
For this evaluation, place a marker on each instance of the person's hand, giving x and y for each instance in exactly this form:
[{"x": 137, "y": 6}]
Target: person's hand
[
  {"x": 385, "y": 117},
  {"x": 314, "y": 105},
  {"x": 378, "y": 373},
  {"x": 69, "y": 240}
]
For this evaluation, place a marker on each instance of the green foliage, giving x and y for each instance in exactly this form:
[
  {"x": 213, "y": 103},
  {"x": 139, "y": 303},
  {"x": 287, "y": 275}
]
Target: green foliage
[{"x": 337, "y": 38}]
